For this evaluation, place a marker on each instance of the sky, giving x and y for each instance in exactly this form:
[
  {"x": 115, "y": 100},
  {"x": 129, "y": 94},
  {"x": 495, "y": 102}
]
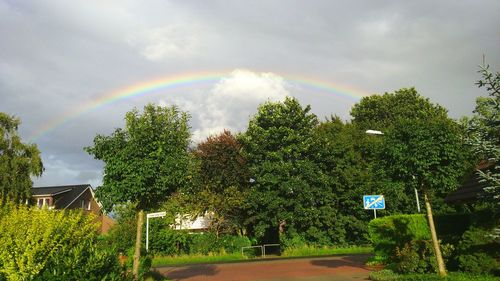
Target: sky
[{"x": 71, "y": 69}]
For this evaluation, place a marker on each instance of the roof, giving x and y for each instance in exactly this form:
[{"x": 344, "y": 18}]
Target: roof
[
  {"x": 473, "y": 187},
  {"x": 66, "y": 194}
]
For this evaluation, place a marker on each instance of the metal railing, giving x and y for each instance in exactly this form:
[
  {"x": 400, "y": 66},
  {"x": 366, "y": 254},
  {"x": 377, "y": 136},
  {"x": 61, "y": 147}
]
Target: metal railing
[{"x": 262, "y": 248}]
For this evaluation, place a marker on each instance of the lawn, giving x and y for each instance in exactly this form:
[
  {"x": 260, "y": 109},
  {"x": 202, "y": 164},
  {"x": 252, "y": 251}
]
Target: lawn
[{"x": 305, "y": 251}]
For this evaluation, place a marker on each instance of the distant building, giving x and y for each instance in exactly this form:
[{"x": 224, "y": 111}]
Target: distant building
[
  {"x": 198, "y": 224},
  {"x": 71, "y": 197}
]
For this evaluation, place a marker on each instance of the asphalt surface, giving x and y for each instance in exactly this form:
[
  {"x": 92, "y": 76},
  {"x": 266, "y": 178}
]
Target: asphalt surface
[{"x": 334, "y": 268}]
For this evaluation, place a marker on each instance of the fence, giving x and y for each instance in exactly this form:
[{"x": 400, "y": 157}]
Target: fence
[{"x": 262, "y": 248}]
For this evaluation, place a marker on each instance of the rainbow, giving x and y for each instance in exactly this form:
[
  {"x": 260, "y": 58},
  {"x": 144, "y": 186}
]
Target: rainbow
[{"x": 181, "y": 80}]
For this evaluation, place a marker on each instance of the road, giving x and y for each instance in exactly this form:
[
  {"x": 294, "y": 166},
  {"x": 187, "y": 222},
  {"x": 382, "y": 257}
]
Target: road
[{"x": 348, "y": 267}]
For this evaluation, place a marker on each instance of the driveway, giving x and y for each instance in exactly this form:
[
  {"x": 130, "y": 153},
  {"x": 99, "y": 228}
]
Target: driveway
[{"x": 348, "y": 267}]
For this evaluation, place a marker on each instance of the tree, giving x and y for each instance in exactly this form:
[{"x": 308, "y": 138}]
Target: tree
[
  {"x": 289, "y": 194},
  {"x": 380, "y": 112},
  {"x": 484, "y": 131},
  {"x": 18, "y": 162},
  {"x": 349, "y": 176},
  {"x": 429, "y": 153},
  {"x": 145, "y": 162},
  {"x": 224, "y": 180},
  {"x": 421, "y": 147}
]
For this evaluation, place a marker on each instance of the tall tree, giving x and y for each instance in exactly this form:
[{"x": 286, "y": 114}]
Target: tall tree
[
  {"x": 18, "y": 162},
  {"x": 431, "y": 154},
  {"x": 384, "y": 113},
  {"x": 224, "y": 180},
  {"x": 484, "y": 131},
  {"x": 289, "y": 191},
  {"x": 145, "y": 162}
]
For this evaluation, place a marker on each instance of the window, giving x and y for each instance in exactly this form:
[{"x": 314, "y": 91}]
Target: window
[
  {"x": 88, "y": 205},
  {"x": 40, "y": 202},
  {"x": 47, "y": 201}
]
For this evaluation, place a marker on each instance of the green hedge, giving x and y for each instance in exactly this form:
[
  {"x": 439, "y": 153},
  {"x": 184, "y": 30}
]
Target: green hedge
[
  {"x": 38, "y": 244},
  {"x": 468, "y": 242},
  {"x": 391, "y": 232},
  {"x": 174, "y": 242}
]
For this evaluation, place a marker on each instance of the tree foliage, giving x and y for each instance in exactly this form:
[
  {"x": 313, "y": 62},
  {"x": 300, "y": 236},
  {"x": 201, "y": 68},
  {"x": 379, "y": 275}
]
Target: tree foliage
[
  {"x": 289, "y": 189},
  {"x": 224, "y": 180},
  {"x": 147, "y": 160},
  {"x": 430, "y": 154},
  {"x": 38, "y": 244},
  {"x": 421, "y": 145},
  {"x": 348, "y": 175},
  {"x": 380, "y": 112},
  {"x": 18, "y": 162},
  {"x": 484, "y": 131}
]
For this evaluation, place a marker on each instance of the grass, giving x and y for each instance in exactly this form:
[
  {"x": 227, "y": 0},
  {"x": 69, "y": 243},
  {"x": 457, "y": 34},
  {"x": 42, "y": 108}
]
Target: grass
[
  {"x": 198, "y": 258},
  {"x": 388, "y": 275},
  {"x": 305, "y": 251},
  {"x": 310, "y": 251}
]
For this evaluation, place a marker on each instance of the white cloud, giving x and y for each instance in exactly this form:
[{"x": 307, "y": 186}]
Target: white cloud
[{"x": 232, "y": 101}]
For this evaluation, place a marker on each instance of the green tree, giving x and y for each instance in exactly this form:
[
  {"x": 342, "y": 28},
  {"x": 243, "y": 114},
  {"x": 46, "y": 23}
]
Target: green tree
[
  {"x": 380, "y": 112},
  {"x": 484, "y": 131},
  {"x": 349, "y": 176},
  {"x": 421, "y": 147},
  {"x": 429, "y": 153},
  {"x": 145, "y": 162},
  {"x": 224, "y": 181},
  {"x": 289, "y": 191},
  {"x": 18, "y": 162}
]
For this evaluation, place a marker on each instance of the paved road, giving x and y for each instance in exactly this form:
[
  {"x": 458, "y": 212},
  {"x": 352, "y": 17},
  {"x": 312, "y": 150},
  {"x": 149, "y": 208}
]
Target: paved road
[{"x": 334, "y": 268}]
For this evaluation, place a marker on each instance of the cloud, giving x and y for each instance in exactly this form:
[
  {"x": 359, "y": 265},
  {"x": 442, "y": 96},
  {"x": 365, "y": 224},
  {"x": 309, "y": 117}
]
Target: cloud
[
  {"x": 232, "y": 101},
  {"x": 171, "y": 41}
]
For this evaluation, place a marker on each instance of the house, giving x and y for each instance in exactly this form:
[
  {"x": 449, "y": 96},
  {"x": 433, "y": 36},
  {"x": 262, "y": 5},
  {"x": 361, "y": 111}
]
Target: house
[
  {"x": 473, "y": 187},
  {"x": 198, "y": 224},
  {"x": 71, "y": 197}
]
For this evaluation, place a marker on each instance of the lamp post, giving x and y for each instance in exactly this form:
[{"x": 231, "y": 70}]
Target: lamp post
[{"x": 375, "y": 132}]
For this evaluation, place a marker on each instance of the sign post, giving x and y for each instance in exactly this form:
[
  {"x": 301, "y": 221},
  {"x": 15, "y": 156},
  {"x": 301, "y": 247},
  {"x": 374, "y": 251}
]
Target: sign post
[
  {"x": 148, "y": 216},
  {"x": 374, "y": 202}
]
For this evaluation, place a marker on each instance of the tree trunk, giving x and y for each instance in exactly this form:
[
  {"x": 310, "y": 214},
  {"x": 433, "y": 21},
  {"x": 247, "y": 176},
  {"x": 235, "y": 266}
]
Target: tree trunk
[
  {"x": 435, "y": 242},
  {"x": 138, "y": 242}
]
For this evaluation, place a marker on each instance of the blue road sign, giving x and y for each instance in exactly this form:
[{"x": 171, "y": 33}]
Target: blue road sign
[{"x": 374, "y": 202}]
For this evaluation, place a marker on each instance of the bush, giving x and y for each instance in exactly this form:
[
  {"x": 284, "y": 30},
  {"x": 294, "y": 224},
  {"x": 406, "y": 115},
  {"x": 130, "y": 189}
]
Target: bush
[
  {"x": 144, "y": 262},
  {"x": 203, "y": 243},
  {"x": 233, "y": 244},
  {"x": 38, "y": 244},
  {"x": 476, "y": 251},
  {"x": 391, "y": 232},
  {"x": 415, "y": 256}
]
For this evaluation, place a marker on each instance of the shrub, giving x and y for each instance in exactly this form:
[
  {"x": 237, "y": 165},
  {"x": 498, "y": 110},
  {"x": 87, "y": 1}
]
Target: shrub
[
  {"x": 233, "y": 244},
  {"x": 476, "y": 251},
  {"x": 203, "y": 243},
  {"x": 122, "y": 234},
  {"x": 391, "y": 232},
  {"x": 169, "y": 241},
  {"x": 144, "y": 262},
  {"x": 38, "y": 244},
  {"x": 415, "y": 256}
]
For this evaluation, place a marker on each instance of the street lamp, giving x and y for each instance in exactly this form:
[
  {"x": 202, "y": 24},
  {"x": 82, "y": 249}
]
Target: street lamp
[{"x": 375, "y": 132}]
